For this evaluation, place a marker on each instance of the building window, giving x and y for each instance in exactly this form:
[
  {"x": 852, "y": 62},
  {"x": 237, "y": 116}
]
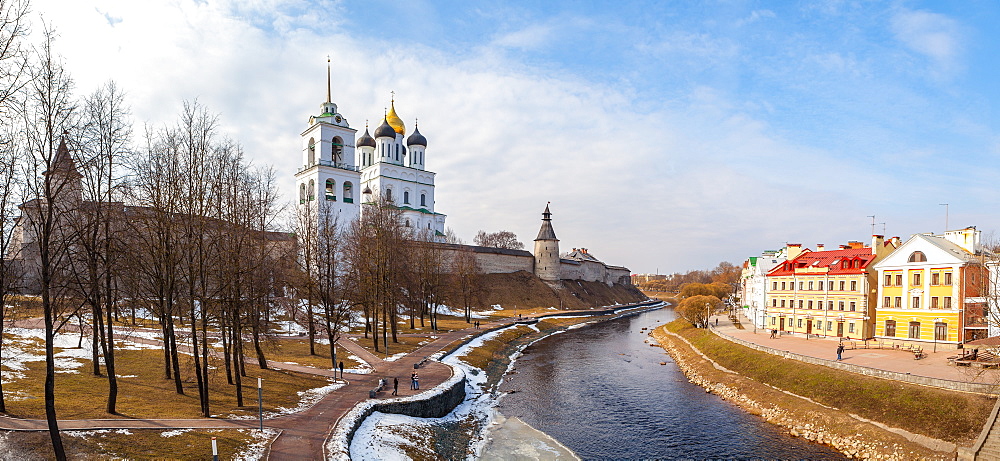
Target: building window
[
  {"x": 854, "y": 285},
  {"x": 407, "y": 222},
  {"x": 941, "y": 331},
  {"x": 406, "y": 198},
  {"x": 916, "y": 279},
  {"x": 854, "y": 306},
  {"x": 917, "y": 257},
  {"x": 774, "y": 285},
  {"x": 934, "y": 302},
  {"x": 810, "y": 304},
  {"x": 810, "y": 285},
  {"x": 388, "y": 194},
  {"x": 829, "y": 306},
  {"x": 841, "y": 285},
  {"x": 338, "y": 150},
  {"x": 774, "y": 303},
  {"x": 947, "y": 302},
  {"x": 331, "y": 193},
  {"x": 947, "y": 278},
  {"x": 886, "y": 302},
  {"x": 935, "y": 278},
  {"x": 312, "y": 190},
  {"x": 899, "y": 280},
  {"x": 302, "y": 193},
  {"x": 348, "y": 192},
  {"x": 800, "y": 304},
  {"x": 890, "y": 328},
  {"x": 819, "y": 324},
  {"x": 888, "y": 280},
  {"x": 820, "y": 285},
  {"x": 899, "y": 302},
  {"x": 800, "y": 323},
  {"x": 916, "y": 302},
  {"x": 850, "y": 327},
  {"x": 783, "y": 286},
  {"x": 773, "y": 320},
  {"x": 312, "y": 152},
  {"x": 840, "y": 305},
  {"x": 782, "y": 303},
  {"x": 914, "y": 332},
  {"x": 801, "y": 284},
  {"x": 829, "y": 326}
]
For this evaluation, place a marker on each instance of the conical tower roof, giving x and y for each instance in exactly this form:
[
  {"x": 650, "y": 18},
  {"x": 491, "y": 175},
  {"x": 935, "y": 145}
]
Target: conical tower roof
[{"x": 546, "y": 232}]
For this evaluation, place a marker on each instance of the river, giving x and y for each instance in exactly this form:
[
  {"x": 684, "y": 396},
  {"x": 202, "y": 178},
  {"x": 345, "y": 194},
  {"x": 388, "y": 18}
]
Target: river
[{"x": 601, "y": 391}]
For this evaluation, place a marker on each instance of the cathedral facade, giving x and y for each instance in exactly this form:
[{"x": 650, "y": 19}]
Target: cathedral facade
[{"x": 340, "y": 172}]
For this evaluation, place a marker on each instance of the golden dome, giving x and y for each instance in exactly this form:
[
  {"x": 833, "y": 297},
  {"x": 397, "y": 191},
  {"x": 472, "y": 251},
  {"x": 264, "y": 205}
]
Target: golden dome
[{"x": 394, "y": 121}]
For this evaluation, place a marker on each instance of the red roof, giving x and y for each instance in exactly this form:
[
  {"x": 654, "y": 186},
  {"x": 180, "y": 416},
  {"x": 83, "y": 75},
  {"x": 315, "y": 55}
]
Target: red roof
[{"x": 844, "y": 261}]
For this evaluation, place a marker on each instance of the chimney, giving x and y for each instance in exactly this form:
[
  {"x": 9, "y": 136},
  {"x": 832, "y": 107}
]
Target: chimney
[
  {"x": 820, "y": 247},
  {"x": 794, "y": 250},
  {"x": 878, "y": 241},
  {"x": 854, "y": 244},
  {"x": 895, "y": 241}
]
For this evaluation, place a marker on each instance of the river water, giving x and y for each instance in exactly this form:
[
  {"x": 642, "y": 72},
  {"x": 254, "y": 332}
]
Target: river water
[{"x": 601, "y": 391}]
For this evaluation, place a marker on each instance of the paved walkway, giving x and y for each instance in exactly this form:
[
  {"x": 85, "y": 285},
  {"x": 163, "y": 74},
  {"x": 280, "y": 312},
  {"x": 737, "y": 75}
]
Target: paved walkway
[{"x": 935, "y": 365}]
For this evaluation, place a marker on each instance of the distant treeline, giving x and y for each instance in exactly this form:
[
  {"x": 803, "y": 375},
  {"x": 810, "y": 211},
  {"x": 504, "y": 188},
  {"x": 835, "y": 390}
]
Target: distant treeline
[{"x": 725, "y": 274}]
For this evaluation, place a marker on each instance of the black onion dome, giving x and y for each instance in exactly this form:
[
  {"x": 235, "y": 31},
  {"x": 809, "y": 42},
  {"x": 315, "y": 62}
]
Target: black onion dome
[
  {"x": 366, "y": 140},
  {"x": 416, "y": 139},
  {"x": 385, "y": 131}
]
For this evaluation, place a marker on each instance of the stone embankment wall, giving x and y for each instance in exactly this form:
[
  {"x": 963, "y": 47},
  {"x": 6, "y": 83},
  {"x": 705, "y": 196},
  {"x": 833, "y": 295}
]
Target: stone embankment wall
[
  {"x": 435, "y": 403},
  {"x": 811, "y": 430},
  {"x": 976, "y": 388}
]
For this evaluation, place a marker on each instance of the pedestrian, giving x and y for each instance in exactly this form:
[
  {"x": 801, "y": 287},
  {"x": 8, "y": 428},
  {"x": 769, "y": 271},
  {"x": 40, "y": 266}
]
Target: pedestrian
[
  {"x": 341, "y": 369},
  {"x": 773, "y": 332},
  {"x": 840, "y": 350},
  {"x": 395, "y": 386},
  {"x": 416, "y": 381},
  {"x": 413, "y": 380},
  {"x": 716, "y": 321}
]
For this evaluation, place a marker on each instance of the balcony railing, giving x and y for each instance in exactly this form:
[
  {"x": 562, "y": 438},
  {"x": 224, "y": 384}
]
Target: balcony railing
[{"x": 341, "y": 166}]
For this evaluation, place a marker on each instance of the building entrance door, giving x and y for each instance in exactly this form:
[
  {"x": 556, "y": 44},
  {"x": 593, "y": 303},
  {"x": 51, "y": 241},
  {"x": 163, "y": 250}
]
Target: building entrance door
[
  {"x": 809, "y": 327},
  {"x": 781, "y": 324},
  {"x": 840, "y": 328}
]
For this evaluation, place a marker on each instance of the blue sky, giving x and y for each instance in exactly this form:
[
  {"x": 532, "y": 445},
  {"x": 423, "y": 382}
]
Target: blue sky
[{"x": 667, "y": 135}]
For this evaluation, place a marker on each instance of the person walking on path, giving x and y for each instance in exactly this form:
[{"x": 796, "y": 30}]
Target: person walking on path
[
  {"x": 773, "y": 332},
  {"x": 341, "y": 369},
  {"x": 416, "y": 381},
  {"x": 840, "y": 350},
  {"x": 413, "y": 380},
  {"x": 716, "y": 321},
  {"x": 395, "y": 386}
]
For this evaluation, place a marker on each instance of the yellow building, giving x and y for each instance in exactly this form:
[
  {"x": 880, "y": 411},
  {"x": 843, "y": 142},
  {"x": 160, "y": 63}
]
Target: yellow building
[
  {"x": 826, "y": 293},
  {"x": 929, "y": 289}
]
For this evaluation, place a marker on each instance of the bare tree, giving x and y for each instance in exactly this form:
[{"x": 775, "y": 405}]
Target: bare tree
[
  {"x": 465, "y": 281},
  {"x": 52, "y": 178},
  {"x": 501, "y": 239}
]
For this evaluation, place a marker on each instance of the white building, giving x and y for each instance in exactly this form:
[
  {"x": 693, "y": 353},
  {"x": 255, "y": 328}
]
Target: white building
[
  {"x": 753, "y": 284},
  {"x": 336, "y": 169}
]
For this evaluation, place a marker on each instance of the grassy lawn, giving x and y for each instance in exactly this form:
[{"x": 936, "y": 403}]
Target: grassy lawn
[
  {"x": 297, "y": 351},
  {"x": 406, "y": 344},
  {"x": 145, "y": 444},
  {"x": 144, "y": 393},
  {"x": 943, "y": 414}
]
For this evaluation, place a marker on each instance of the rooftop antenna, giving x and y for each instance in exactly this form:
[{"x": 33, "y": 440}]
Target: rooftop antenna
[
  {"x": 883, "y": 228},
  {"x": 873, "y": 224},
  {"x": 945, "y": 205}
]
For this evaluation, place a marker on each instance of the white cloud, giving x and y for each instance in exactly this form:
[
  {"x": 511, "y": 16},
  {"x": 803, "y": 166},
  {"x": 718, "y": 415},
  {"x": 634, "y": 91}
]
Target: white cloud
[{"x": 933, "y": 35}]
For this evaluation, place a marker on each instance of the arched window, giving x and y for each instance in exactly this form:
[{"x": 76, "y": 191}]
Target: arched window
[
  {"x": 338, "y": 150},
  {"x": 388, "y": 194},
  {"x": 312, "y": 152},
  {"x": 406, "y": 198},
  {"x": 302, "y": 193},
  {"x": 917, "y": 257},
  {"x": 407, "y": 222},
  {"x": 423, "y": 199},
  {"x": 331, "y": 191},
  {"x": 312, "y": 189},
  {"x": 348, "y": 192}
]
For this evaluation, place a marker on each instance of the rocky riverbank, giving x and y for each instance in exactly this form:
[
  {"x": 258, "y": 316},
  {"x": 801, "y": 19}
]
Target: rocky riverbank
[{"x": 853, "y": 437}]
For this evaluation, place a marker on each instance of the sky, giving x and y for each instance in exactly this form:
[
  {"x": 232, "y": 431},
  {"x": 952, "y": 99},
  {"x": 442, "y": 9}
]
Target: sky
[{"x": 667, "y": 135}]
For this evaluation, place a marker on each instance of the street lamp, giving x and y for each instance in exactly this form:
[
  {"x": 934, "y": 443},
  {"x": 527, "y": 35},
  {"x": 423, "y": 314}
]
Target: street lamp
[
  {"x": 260, "y": 403},
  {"x": 708, "y": 313}
]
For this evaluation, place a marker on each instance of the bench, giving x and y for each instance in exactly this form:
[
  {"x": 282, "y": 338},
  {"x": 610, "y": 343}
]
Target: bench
[
  {"x": 420, "y": 363},
  {"x": 381, "y": 385}
]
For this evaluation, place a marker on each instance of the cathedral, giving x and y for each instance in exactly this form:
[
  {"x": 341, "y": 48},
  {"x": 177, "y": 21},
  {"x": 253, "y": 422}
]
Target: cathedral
[{"x": 342, "y": 172}]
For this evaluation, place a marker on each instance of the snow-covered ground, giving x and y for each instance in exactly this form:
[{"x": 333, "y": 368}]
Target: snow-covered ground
[
  {"x": 307, "y": 398},
  {"x": 387, "y": 436}
]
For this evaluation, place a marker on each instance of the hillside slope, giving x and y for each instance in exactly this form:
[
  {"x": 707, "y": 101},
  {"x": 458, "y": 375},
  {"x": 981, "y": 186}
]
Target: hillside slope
[{"x": 524, "y": 289}]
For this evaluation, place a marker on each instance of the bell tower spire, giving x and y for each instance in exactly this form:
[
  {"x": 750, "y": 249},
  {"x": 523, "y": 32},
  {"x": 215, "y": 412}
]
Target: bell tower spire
[{"x": 328, "y": 79}]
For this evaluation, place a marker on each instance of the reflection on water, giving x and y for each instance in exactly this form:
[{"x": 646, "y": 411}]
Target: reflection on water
[{"x": 602, "y": 392}]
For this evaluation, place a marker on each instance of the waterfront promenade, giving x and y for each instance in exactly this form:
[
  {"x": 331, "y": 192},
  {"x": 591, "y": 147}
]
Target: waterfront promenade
[{"x": 935, "y": 365}]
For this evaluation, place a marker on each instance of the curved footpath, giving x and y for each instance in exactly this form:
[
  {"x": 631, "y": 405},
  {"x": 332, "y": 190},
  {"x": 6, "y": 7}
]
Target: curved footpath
[{"x": 303, "y": 435}]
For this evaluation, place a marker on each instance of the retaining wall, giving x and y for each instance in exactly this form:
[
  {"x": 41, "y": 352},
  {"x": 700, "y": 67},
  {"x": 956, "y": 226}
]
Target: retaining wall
[
  {"x": 976, "y": 388},
  {"x": 435, "y": 403}
]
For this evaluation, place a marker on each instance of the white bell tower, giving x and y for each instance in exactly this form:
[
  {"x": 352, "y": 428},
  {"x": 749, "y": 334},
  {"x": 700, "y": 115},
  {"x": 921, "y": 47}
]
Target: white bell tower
[{"x": 327, "y": 177}]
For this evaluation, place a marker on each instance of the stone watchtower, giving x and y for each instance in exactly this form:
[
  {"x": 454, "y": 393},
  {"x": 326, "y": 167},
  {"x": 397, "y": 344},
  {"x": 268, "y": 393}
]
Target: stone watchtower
[{"x": 547, "y": 250}]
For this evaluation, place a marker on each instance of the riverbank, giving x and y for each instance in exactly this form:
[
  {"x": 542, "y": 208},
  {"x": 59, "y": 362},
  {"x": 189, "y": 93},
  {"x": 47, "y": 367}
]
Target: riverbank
[
  {"x": 485, "y": 360},
  {"x": 822, "y": 404}
]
